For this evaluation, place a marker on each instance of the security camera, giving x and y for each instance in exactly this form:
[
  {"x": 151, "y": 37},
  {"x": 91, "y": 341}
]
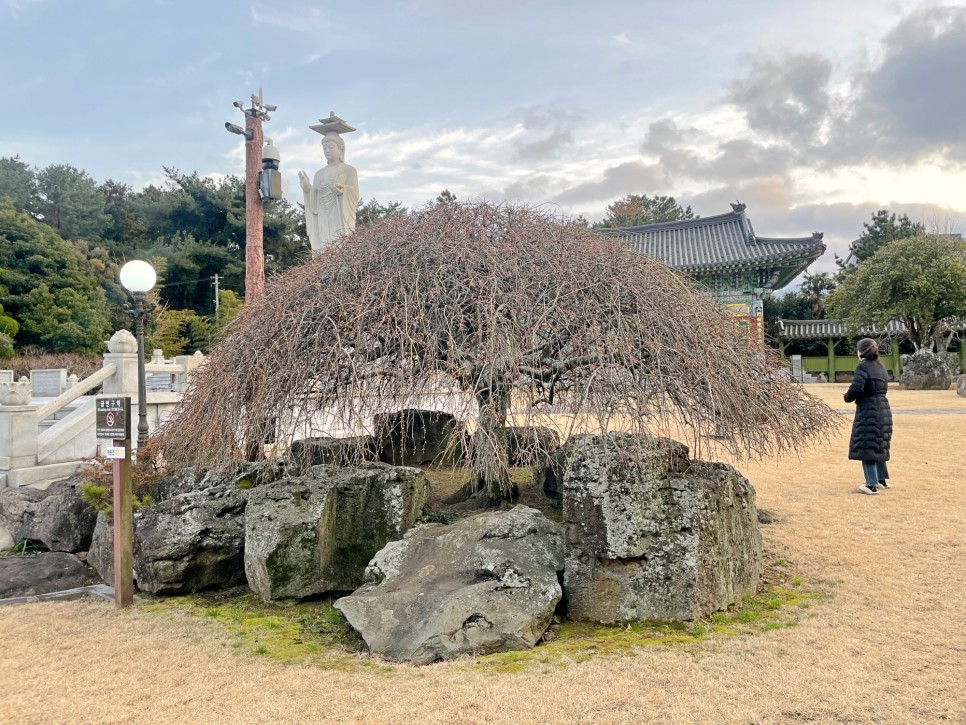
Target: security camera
[
  {"x": 246, "y": 132},
  {"x": 239, "y": 104},
  {"x": 270, "y": 108}
]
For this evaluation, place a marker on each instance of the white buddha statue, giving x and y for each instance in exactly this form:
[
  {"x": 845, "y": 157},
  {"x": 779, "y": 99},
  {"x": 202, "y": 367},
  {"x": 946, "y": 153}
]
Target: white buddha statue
[{"x": 331, "y": 197}]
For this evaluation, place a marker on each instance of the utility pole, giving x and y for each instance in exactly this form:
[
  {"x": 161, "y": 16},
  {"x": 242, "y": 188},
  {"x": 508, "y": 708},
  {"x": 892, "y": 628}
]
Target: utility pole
[
  {"x": 254, "y": 213},
  {"x": 214, "y": 281}
]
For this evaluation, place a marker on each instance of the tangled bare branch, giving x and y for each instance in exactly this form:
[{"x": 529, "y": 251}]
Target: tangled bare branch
[{"x": 523, "y": 317}]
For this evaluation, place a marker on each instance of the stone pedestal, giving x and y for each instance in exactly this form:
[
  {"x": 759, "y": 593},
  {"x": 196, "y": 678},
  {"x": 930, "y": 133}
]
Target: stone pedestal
[
  {"x": 125, "y": 380},
  {"x": 190, "y": 363},
  {"x": 18, "y": 436}
]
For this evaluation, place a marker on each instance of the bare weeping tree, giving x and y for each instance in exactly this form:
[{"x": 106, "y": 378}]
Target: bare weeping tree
[{"x": 535, "y": 320}]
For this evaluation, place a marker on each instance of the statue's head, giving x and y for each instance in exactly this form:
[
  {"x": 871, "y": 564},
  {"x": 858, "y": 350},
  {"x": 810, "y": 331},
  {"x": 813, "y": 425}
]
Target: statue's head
[{"x": 333, "y": 147}]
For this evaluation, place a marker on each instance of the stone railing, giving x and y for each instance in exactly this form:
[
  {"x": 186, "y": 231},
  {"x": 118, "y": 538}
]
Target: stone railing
[
  {"x": 74, "y": 392},
  {"x": 51, "y": 438}
]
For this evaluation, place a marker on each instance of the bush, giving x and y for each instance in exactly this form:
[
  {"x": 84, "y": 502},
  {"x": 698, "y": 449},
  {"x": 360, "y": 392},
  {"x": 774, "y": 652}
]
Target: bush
[
  {"x": 6, "y": 346},
  {"x": 35, "y": 359}
]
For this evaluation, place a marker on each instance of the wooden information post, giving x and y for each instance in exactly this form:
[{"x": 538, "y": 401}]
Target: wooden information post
[{"x": 113, "y": 421}]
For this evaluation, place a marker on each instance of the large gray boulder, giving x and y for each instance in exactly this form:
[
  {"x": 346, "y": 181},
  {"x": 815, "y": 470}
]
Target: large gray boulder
[
  {"x": 192, "y": 541},
  {"x": 14, "y": 503},
  {"x": 549, "y": 476},
  {"x": 315, "y": 534},
  {"x": 488, "y": 583},
  {"x": 24, "y": 576},
  {"x": 100, "y": 557},
  {"x": 175, "y": 483},
  {"x": 344, "y": 452},
  {"x": 61, "y": 520},
  {"x": 652, "y": 534},
  {"x": 925, "y": 370},
  {"x": 961, "y": 386},
  {"x": 531, "y": 445},
  {"x": 188, "y": 480},
  {"x": 413, "y": 437}
]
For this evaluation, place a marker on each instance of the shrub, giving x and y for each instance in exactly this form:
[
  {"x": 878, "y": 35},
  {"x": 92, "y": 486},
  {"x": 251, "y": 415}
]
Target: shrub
[{"x": 32, "y": 358}]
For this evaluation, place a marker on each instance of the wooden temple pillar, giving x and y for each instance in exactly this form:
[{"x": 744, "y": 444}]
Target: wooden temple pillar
[{"x": 830, "y": 343}]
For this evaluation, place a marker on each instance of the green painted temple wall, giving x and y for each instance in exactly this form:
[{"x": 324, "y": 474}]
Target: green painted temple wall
[{"x": 832, "y": 363}]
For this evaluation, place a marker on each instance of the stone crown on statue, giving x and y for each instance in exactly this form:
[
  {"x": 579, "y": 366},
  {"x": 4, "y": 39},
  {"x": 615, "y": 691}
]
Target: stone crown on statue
[{"x": 332, "y": 124}]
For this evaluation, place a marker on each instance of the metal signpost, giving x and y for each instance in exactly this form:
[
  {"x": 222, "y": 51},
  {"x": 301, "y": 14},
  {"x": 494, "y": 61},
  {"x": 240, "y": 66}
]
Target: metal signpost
[{"x": 113, "y": 421}]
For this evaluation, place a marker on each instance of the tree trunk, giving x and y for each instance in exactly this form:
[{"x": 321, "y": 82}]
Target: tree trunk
[{"x": 489, "y": 448}]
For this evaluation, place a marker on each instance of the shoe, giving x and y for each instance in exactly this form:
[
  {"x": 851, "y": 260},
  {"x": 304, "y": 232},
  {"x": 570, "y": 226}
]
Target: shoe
[
  {"x": 883, "y": 484},
  {"x": 868, "y": 490}
]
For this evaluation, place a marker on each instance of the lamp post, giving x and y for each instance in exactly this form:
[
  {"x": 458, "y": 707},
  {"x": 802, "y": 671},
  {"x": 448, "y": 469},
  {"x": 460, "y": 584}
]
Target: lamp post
[{"x": 138, "y": 278}]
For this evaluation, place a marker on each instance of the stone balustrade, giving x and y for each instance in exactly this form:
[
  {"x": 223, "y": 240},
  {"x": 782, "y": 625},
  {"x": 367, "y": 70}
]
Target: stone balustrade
[{"x": 47, "y": 422}]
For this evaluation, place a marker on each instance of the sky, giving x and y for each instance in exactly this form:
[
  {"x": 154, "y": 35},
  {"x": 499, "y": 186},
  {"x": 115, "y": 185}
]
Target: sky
[{"x": 813, "y": 113}]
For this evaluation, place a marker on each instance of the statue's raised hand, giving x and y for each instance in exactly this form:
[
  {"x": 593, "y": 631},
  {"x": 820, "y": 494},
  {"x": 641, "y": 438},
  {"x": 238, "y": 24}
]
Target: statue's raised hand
[{"x": 305, "y": 181}]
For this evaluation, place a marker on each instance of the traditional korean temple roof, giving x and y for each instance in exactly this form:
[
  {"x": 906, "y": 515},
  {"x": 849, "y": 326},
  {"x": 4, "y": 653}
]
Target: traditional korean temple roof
[
  {"x": 722, "y": 244},
  {"x": 825, "y": 329}
]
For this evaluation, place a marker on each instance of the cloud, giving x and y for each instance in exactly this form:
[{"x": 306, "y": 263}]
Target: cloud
[
  {"x": 760, "y": 194},
  {"x": 906, "y": 106},
  {"x": 626, "y": 178},
  {"x": 691, "y": 153},
  {"x": 798, "y": 137},
  {"x": 540, "y": 118},
  {"x": 545, "y": 148},
  {"x": 665, "y": 135},
  {"x": 532, "y": 188},
  {"x": 621, "y": 39},
  {"x": 913, "y": 102},
  {"x": 787, "y": 97},
  {"x": 544, "y": 131}
]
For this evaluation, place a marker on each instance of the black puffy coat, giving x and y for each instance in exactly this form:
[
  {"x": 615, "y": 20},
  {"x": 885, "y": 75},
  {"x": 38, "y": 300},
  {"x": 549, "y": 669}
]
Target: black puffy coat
[{"x": 872, "y": 426}]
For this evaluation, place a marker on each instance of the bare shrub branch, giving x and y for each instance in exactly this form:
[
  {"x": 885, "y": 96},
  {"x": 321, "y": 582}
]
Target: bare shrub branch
[{"x": 526, "y": 319}]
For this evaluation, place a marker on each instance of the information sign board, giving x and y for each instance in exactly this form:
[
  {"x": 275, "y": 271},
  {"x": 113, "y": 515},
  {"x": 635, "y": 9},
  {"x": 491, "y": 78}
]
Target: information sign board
[{"x": 113, "y": 418}]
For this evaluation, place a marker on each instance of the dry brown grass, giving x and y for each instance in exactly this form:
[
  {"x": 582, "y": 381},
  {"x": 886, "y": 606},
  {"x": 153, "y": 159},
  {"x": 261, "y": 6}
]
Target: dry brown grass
[{"x": 889, "y": 646}]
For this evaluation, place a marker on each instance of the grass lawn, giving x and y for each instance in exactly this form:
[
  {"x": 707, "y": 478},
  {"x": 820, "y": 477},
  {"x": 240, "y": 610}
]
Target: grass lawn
[{"x": 874, "y": 589}]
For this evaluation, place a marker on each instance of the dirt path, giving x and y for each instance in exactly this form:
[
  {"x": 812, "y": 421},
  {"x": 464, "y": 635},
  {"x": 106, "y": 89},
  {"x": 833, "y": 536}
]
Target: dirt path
[{"x": 888, "y": 647}]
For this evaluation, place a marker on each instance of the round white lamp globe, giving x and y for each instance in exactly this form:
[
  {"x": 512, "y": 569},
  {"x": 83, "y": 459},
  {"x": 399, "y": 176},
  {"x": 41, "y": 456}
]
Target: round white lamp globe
[{"x": 138, "y": 276}]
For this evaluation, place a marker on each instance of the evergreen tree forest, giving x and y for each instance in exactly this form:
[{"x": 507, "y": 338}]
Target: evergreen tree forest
[{"x": 64, "y": 236}]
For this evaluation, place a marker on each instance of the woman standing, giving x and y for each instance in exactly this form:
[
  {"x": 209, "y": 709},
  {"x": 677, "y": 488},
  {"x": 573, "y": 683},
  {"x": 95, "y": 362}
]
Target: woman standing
[{"x": 872, "y": 426}]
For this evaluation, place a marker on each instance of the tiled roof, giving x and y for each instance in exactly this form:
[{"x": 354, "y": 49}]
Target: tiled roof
[
  {"x": 824, "y": 329},
  {"x": 717, "y": 243}
]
